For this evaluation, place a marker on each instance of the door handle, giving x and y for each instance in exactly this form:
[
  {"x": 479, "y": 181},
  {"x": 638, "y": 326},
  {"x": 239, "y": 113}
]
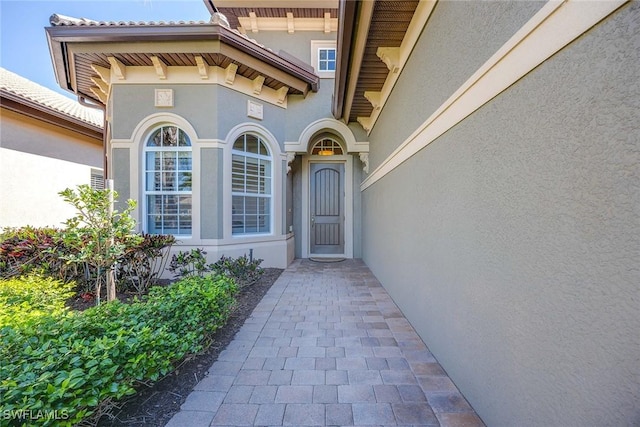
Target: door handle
[{"x": 313, "y": 221}]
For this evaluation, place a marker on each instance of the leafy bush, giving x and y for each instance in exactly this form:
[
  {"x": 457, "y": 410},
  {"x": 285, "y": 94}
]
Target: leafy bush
[
  {"x": 243, "y": 270},
  {"x": 142, "y": 264},
  {"x": 189, "y": 264},
  {"x": 98, "y": 235},
  {"x": 78, "y": 363},
  {"x": 29, "y": 250},
  {"x": 28, "y": 299}
]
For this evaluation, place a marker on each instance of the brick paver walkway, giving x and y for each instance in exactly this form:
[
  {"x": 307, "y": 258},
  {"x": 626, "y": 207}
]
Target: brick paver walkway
[{"x": 326, "y": 346}]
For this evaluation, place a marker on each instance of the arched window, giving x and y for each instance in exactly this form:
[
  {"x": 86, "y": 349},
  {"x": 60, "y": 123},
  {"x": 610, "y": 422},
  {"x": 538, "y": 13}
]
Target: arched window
[
  {"x": 326, "y": 147},
  {"x": 168, "y": 182},
  {"x": 251, "y": 182}
]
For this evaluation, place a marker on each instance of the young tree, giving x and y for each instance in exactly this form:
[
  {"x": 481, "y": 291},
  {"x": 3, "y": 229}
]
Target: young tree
[{"x": 98, "y": 234}]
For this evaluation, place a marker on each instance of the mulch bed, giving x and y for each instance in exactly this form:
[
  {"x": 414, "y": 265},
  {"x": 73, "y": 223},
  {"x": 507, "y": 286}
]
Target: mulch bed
[{"x": 156, "y": 404}]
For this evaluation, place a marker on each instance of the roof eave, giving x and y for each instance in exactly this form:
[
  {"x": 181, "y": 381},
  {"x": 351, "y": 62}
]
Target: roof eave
[
  {"x": 59, "y": 36},
  {"x": 59, "y": 62},
  {"x": 346, "y": 22},
  {"x": 38, "y": 111}
]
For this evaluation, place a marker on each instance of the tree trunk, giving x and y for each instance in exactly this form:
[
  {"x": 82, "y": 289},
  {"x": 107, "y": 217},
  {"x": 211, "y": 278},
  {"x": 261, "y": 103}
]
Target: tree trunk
[{"x": 111, "y": 277}]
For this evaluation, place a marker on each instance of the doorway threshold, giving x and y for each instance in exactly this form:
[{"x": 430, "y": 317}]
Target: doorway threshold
[{"x": 327, "y": 259}]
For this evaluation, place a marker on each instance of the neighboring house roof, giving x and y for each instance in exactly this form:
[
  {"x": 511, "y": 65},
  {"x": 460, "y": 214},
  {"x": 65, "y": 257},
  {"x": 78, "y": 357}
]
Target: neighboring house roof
[
  {"x": 76, "y": 69},
  {"x": 26, "y": 97},
  {"x": 370, "y": 36}
]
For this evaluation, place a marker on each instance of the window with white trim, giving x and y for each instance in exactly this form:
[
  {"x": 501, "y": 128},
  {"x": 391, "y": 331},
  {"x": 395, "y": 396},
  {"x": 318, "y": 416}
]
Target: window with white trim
[
  {"x": 323, "y": 57},
  {"x": 251, "y": 182},
  {"x": 168, "y": 182},
  {"x": 327, "y": 59}
]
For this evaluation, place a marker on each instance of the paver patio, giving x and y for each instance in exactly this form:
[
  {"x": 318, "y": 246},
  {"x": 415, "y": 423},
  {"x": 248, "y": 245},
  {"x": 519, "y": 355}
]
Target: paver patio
[{"x": 326, "y": 346}]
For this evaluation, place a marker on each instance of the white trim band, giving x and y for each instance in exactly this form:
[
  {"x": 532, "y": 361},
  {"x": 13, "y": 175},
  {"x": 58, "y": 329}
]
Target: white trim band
[{"x": 556, "y": 25}]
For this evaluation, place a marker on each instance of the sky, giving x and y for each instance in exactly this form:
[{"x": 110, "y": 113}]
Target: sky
[{"x": 23, "y": 43}]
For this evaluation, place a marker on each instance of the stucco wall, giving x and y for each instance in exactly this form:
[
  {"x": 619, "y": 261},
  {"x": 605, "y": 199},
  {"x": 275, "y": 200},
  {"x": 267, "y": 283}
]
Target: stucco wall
[
  {"x": 357, "y": 207},
  {"x": 27, "y": 135},
  {"x": 38, "y": 160},
  {"x": 212, "y": 110},
  {"x": 460, "y": 50},
  {"x": 30, "y": 187},
  {"x": 301, "y": 110},
  {"x": 297, "y": 44},
  {"x": 211, "y": 193},
  {"x": 296, "y": 173},
  {"x": 132, "y": 103},
  {"x": 120, "y": 173},
  {"x": 512, "y": 242}
]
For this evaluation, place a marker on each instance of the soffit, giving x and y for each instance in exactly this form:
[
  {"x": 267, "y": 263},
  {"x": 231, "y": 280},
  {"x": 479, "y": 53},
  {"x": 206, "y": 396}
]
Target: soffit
[
  {"x": 389, "y": 23},
  {"x": 78, "y": 46},
  {"x": 233, "y": 13},
  {"x": 84, "y": 62}
]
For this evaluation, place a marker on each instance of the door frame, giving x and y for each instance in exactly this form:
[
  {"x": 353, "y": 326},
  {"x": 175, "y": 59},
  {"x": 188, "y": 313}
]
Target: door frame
[{"x": 347, "y": 160}]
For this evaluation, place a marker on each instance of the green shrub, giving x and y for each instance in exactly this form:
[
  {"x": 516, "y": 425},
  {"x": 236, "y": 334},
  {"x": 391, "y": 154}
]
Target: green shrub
[
  {"x": 42, "y": 251},
  {"x": 78, "y": 363},
  {"x": 143, "y": 263},
  {"x": 22, "y": 300},
  {"x": 29, "y": 250},
  {"x": 189, "y": 264},
  {"x": 97, "y": 234},
  {"x": 243, "y": 270}
]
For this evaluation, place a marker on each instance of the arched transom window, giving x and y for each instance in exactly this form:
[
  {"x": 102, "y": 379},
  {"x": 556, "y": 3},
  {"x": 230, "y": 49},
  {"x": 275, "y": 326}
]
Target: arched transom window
[
  {"x": 251, "y": 181},
  {"x": 326, "y": 147},
  {"x": 168, "y": 182}
]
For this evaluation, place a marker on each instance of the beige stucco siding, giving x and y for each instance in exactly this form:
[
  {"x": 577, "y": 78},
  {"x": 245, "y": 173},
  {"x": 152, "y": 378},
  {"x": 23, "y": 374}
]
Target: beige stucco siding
[
  {"x": 38, "y": 160},
  {"x": 25, "y": 134},
  {"x": 512, "y": 241},
  {"x": 30, "y": 187}
]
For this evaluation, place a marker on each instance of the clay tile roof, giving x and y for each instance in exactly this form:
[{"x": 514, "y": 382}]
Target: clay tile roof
[
  {"x": 58, "y": 20},
  {"x": 62, "y": 20},
  {"x": 29, "y": 91}
]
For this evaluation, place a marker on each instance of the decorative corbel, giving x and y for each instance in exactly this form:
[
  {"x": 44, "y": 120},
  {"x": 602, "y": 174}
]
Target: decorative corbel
[
  {"x": 230, "y": 73},
  {"x": 253, "y": 18},
  {"x": 290, "y": 26},
  {"x": 365, "y": 122},
  {"x": 160, "y": 66},
  {"x": 104, "y": 73},
  {"x": 104, "y": 87},
  {"x": 118, "y": 68},
  {"x": 391, "y": 57},
  {"x": 327, "y": 22},
  {"x": 375, "y": 98},
  {"x": 364, "y": 158},
  {"x": 257, "y": 85},
  {"x": 291, "y": 156},
  {"x": 282, "y": 94},
  {"x": 203, "y": 68},
  {"x": 99, "y": 94}
]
